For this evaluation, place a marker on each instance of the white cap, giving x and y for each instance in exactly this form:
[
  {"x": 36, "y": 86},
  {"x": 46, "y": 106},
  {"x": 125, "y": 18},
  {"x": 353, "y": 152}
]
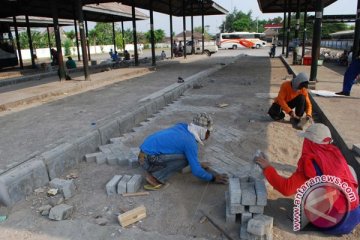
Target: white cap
[
  {"x": 317, "y": 133},
  {"x": 203, "y": 120}
]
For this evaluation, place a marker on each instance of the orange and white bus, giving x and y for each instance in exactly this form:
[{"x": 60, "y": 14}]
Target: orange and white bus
[{"x": 236, "y": 40}]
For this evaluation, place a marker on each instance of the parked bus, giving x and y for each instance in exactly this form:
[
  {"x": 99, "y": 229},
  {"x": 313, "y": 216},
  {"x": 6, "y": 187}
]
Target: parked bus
[
  {"x": 236, "y": 40},
  {"x": 8, "y": 56},
  {"x": 342, "y": 40}
]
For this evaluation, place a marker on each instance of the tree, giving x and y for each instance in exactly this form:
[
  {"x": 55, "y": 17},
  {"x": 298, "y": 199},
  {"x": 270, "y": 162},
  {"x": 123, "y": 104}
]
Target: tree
[
  {"x": 159, "y": 35},
  {"x": 101, "y": 34},
  {"x": 238, "y": 21},
  {"x": 70, "y": 35},
  {"x": 206, "y": 32}
]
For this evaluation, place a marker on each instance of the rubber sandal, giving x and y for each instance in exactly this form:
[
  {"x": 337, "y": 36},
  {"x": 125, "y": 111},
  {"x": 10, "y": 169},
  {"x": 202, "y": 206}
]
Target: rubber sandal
[{"x": 156, "y": 188}]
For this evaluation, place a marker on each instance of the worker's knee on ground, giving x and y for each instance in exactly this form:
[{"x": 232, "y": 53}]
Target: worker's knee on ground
[{"x": 275, "y": 112}]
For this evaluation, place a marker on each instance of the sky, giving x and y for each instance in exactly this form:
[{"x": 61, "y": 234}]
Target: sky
[{"x": 161, "y": 21}]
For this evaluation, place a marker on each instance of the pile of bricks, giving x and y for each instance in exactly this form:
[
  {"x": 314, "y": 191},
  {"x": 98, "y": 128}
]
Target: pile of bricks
[
  {"x": 123, "y": 184},
  {"x": 115, "y": 153},
  {"x": 246, "y": 200}
]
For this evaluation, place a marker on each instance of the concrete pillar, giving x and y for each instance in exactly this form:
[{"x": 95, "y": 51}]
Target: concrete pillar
[
  {"x": 288, "y": 29},
  {"x": 284, "y": 30},
  {"x": 18, "y": 42},
  {"x": 80, "y": 17},
  {"x": 304, "y": 32},
  {"x": 134, "y": 33},
  {"x": 76, "y": 40},
  {"x": 30, "y": 41},
  {"x": 316, "y": 39},
  {"x": 184, "y": 28},
  {"x": 356, "y": 46},
  {"x": 171, "y": 30},
  {"x": 192, "y": 28},
  {"x": 49, "y": 40},
  {"x": 87, "y": 40},
  {"x": 153, "y": 57},
  {"x": 202, "y": 26},
  {"x": 114, "y": 37},
  {"x": 297, "y": 28},
  {"x": 122, "y": 34}
]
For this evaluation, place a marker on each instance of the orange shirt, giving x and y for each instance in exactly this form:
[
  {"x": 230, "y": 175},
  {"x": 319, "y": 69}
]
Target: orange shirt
[{"x": 286, "y": 94}]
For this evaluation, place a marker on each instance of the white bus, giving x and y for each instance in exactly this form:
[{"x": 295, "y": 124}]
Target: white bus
[{"x": 236, "y": 40}]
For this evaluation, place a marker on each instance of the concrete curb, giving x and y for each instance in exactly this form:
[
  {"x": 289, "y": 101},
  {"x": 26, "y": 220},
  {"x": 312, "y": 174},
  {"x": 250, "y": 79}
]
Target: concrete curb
[
  {"x": 338, "y": 141},
  {"x": 17, "y": 183}
]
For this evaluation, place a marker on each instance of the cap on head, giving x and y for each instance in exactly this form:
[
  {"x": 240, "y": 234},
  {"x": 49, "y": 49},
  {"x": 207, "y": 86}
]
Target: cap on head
[
  {"x": 299, "y": 79},
  {"x": 317, "y": 133},
  {"x": 203, "y": 120}
]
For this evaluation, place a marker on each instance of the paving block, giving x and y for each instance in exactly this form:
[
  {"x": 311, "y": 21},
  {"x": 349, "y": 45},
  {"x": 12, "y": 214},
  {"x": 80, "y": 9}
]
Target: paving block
[
  {"x": 229, "y": 217},
  {"x": 61, "y": 212},
  {"x": 116, "y": 140},
  {"x": 60, "y": 159},
  {"x": 150, "y": 108},
  {"x": 87, "y": 144},
  {"x": 244, "y": 235},
  {"x": 139, "y": 115},
  {"x": 261, "y": 225},
  {"x": 256, "y": 209},
  {"x": 91, "y": 157},
  {"x": 120, "y": 151},
  {"x": 248, "y": 196},
  {"x": 21, "y": 181},
  {"x": 160, "y": 103},
  {"x": 111, "y": 186},
  {"x": 110, "y": 157},
  {"x": 126, "y": 122},
  {"x": 234, "y": 191},
  {"x": 101, "y": 158},
  {"x": 246, "y": 216},
  {"x": 261, "y": 193},
  {"x": 134, "y": 183},
  {"x": 109, "y": 130},
  {"x": 254, "y": 237},
  {"x": 133, "y": 157},
  {"x": 66, "y": 187},
  {"x": 121, "y": 187}
]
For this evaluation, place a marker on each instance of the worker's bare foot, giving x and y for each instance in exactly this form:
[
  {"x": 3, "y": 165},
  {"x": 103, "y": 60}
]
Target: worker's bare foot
[{"x": 152, "y": 180}]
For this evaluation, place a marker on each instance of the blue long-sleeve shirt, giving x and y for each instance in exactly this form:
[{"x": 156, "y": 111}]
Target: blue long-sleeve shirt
[{"x": 176, "y": 140}]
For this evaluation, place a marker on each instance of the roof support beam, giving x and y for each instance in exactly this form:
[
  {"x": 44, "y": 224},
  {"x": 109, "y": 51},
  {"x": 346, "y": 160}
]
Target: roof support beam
[
  {"x": 18, "y": 43},
  {"x": 80, "y": 17},
  {"x": 134, "y": 33},
  {"x": 315, "y": 51},
  {"x": 153, "y": 57},
  {"x": 357, "y": 33}
]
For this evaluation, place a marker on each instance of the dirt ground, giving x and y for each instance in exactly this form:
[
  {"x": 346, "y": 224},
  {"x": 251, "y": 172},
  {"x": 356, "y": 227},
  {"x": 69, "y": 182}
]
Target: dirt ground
[{"x": 175, "y": 212}]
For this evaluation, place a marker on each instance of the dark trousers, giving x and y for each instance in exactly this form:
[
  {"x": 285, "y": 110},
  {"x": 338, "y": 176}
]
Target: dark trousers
[{"x": 299, "y": 103}]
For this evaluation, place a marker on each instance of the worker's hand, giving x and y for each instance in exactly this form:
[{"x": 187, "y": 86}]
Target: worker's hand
[
  {"x": 309, "y": 118},
  {"x": 221, "y": 178},
  {"x": 292, "y": 114},
  {"x": 205, "y": 165},
  {"x": 263, "y": 162}
]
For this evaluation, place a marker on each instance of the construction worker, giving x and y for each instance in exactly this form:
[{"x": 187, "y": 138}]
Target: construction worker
[
  {"x": 168, "y": 151},
  {"x": 293, "y": 95},
  {"x": 320, "y": 158}
]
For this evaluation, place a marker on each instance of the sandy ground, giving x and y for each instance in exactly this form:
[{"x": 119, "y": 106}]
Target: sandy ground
[{"x": 175, "y": 212}]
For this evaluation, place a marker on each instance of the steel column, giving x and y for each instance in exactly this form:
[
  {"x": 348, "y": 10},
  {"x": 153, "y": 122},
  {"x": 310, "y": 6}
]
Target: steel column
[
  {"x": 18, "y": 42},
  {"x": 284, "y": 30},
  {"x": 134, "y": 33},
  {"x": 61, "y": 70},
  {"x": 153, "y": 57},
  {"x": 114, "y": 37},
  {"x": 80, "y": 16},
  {"x": 30, "y": 41},
  {"x": 304, "y": 33},
  {"x": 184, "y": 29},
  {"x": 171, "y": 30},
  {"x": 297, "y": 27},
  {"x": 316, "y": 39},
  {"x": 356, "y": 43},
  {"x": 87, "y": 40}
]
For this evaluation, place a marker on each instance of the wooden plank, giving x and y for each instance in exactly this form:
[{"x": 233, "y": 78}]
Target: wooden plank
[
  {"x": 132, "y": 216},
  {"x": 135, "y": 194}
]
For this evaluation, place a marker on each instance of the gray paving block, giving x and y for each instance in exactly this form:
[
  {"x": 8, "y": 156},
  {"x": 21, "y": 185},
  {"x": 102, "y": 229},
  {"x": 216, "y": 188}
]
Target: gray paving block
[
  {"x": 116, "y": 140},
  {"x": 150, "y": 108},
  {"x": 160, "y": 103},
  {"x": 261, "y": 192},
  {"x": 61, "y": 212},
  {"x": 254, "y": 237},
  {"x": 169, "y": 97},
  {"x": 111, "y": 159},
  {"x": 244, "y": 235},
  {"x": 66, "y": 187},
  {"x": 134, "y": 183},
  {"x": 126, "y": 122},
  {"x": 246, "y": 216},
  {"x": 248, "y": 196},
  {"x": 261, "y": 225},
  {"x": 101, "y": 158},
  {"x": 120, "y": 151},
  {"x": 109, "y": 130},
  {"x": 91, "y": 157},
  {"x": 121, "y": 187},
  {"x": 234, "y": 191},
  {"x": 60, "y": 159},
  {"x": 111, "y": 186},
  {"x": 133, "y": 157},
  {"x": 21, "y": 181},
  {"x": 87, "y": 144},
  {"x": 256, "y": 209},
  {"x": 139, "y": 115},
  {"x": 229, "y": 217}
]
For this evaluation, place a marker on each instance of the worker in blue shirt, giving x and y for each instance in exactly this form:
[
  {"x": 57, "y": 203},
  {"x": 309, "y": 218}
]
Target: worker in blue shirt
[
  {"x": 170, "y": 150},
  {"x": 351, "y": 76}
]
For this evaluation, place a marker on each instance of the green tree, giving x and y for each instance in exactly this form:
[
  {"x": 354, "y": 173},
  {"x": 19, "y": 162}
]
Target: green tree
[
  {"x": 101, "y": 34},
  {"x": 238, "y": 21},
  {"x": 207, "y": 36},
  {"x": 159, "y": 35},
  {"x": 70, "y": 35}
]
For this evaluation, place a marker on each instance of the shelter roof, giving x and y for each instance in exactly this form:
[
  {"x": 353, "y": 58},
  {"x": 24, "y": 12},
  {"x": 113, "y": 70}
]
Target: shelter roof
[
  {"x": 335, "y": 18},
  {"x": 197, "y": 35},
  {"x": 273, "y": 26},
  {"x": 66, "y": 7},
  {"x": 35, "y": 21},
  {"x": 275, "y": 6},
  {"x": 98, "y": 13}
]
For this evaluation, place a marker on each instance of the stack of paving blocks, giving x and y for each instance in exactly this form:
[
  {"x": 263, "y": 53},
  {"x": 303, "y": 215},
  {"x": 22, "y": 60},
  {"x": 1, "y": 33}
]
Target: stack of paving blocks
[
  {"x": 246, "y": 199},
  {"x": 115, "y": 153},
  {"x": 123, "y": 184}
]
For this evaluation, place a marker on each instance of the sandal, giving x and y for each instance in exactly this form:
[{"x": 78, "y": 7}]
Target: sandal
[{"x": 156, "y": 188}]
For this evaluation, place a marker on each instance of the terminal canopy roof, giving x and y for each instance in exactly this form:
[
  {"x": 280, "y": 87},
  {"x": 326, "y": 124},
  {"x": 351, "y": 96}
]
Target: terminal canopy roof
[
  {"x": 335, "y": 18},
  {"x": 43, "y": 8},
  {"x": 35, "y": 21},
  {"x": 276, "y": 6},
  {"x": 66, "y": 8}
]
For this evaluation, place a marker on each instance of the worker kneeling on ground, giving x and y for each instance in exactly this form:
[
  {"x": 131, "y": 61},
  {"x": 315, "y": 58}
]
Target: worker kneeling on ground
[
  {"x": 293, "y": 95},
  {"x": 170, "y": 150},
  {"x": 332, "y": 204}
]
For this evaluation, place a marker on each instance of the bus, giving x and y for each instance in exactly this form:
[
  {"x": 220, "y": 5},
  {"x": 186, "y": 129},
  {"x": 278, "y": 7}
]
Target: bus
[
  {"x": 8, "y": 56},
  {"x": 236, "y": 40},
  {"x": 342, "y": 40}
]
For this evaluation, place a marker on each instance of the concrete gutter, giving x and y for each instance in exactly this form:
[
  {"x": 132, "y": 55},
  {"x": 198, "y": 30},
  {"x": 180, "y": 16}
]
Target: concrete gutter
[
  {"x": 338, "y": 140},
  {"x": 21, "y": 180}
]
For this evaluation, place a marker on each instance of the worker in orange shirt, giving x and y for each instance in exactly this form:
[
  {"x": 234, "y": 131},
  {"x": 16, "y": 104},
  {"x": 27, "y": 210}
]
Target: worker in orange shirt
[{"x": 293, "y": 99}]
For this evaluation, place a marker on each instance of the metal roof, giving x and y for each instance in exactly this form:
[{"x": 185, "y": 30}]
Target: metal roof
[
  {"x": 335, "y": 18},
  {"x": 277, "y": 6},
  {"x": 35, "y": 21},
  {"x": 66, "y": 7},
  {"x": 106, "y": 12}
]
